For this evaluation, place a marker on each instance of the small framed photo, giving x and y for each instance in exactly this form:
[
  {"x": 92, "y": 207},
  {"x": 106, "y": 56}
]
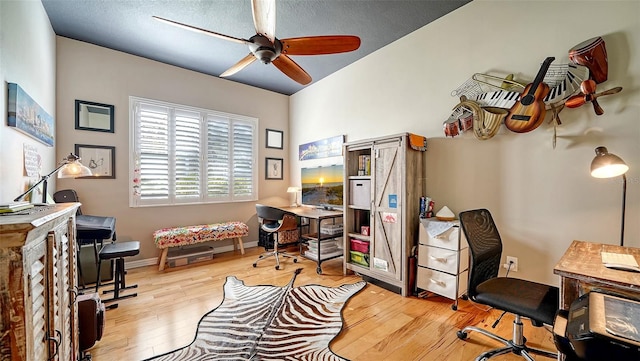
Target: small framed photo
[
  {"x": 273, "y": 168},
  {"x": 274, "y": 138},
  {"x": 94, "y": 116},
  {"x": 99, "y": 158}
]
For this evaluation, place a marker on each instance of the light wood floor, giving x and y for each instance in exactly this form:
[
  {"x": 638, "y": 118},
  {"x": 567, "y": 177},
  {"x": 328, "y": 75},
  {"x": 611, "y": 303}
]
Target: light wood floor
[{"x": 378, "y": 324}]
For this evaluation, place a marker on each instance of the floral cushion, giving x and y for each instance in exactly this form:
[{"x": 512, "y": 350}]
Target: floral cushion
[{"x": 182, "y": 236}]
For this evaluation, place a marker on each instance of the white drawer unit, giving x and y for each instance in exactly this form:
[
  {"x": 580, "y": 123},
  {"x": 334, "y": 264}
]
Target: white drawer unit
[
  {"x": 443, "y": 259},
  {"x": 442, "y": 283}
]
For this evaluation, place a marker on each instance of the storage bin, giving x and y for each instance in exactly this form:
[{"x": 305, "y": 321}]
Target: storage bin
[
  {"x": 359, "y": 245},
  {"x": 331, "y": 229},
  {"x": 359, "y": 258},
  {"x": 360, "y": 193},
  {"x": 188, "y": 255}
]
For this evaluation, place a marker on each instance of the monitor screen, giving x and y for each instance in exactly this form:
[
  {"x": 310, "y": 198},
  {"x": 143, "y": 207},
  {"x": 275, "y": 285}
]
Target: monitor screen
[{"x": 323, "y": 186}]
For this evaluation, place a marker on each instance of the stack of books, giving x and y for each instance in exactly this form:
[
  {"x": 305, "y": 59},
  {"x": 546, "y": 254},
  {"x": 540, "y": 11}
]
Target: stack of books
[
  {"x": 14, "y": 206},
  {"x": 364, "y": 165}
]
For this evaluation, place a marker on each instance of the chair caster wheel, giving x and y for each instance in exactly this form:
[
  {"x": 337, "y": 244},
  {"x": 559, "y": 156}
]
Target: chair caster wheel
[
  {"x": 454, "y": 307},
  {"x": 277, "y": 267},
  {"x": 462, "y": 335},
  {"x": 255, "y": 265},
  {"x": 319, "y": 270},
  {"x": 295, "y": 260},
  {"x": 464, "y": 297}
]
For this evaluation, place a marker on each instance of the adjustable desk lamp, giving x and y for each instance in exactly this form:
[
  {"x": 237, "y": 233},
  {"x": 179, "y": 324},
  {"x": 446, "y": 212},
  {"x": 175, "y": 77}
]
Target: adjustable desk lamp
[
  {"x": 69, "y": 167},
  {"x": 607, "y": 165}
]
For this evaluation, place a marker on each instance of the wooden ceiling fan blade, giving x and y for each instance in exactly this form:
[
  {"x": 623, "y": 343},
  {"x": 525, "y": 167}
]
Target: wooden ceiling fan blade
[
  {"x": 243, "y": 63},
  {"x": 318, "y": 45},
  {"x": 264, "y": 17},
  {"x": 201, "y": 30},
  {"x": 291, "y": 69}
]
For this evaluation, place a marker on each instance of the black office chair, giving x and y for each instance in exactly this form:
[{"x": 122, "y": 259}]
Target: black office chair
[
  {"x": 274, "y": 220},
  {"x": 522, "y": 298}
]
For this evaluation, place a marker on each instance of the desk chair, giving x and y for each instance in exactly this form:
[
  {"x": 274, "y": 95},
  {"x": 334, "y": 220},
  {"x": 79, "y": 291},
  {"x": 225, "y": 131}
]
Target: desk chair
[
  {"x": 274, "y": 220},
  {"x": 532, "y": 300},
  {"x": 90, "y": 230}
]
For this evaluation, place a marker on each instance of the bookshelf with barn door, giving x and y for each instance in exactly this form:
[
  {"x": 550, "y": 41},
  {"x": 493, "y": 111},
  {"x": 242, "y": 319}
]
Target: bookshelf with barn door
[{"x": 383, "y": 184}]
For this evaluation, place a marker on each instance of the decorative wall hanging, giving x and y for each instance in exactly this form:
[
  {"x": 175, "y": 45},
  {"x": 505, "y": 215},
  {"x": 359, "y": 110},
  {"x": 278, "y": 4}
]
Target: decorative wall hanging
[
  {"x": 94, "y": 116},
  {"x": 570, "y": 86},
  {"x": 274, "y": 139},
  {"x": 99, "y": 158},
  {"x": 329, "y": 147},
  {"x": 25, "y": 115},
  {"x": 273, "y": 168}
]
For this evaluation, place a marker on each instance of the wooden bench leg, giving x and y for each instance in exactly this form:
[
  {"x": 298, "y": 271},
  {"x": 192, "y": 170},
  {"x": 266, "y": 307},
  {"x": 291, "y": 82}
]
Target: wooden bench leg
[
  {"x": 163, "y": 259},
  {"x": 238, "y": 241}
]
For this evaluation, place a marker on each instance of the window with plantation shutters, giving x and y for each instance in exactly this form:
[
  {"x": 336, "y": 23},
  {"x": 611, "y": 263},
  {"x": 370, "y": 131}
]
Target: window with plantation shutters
[{"x": 187, "y": 155}]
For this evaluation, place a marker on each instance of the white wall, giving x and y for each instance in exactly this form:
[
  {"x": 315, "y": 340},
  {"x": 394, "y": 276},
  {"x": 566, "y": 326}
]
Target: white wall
[
  {"x": 92, "y": 73},
  {"x": 27, "y": 58},
  {"x": 542, "y": 198}
]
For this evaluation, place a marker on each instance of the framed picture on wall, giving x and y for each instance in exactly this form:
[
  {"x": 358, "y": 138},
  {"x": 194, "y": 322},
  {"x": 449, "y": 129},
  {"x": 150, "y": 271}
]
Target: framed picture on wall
[
  {"x": 94, "y": 116},
  {"x": 273, "y": 168},
  {"x": 274, "y": 138},
  {"x": 99, "y": 158}
]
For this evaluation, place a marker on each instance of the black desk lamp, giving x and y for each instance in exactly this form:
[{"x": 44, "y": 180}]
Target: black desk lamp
[
  {"x": 69, "y": 167},
  {"x": 607, "y": 165}
]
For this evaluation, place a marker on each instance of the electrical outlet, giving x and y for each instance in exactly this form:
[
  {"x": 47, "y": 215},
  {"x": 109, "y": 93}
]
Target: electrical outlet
[{"x": 514, "y": 266}]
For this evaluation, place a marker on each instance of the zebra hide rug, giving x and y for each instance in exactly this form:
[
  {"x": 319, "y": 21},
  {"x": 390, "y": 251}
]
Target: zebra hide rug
[{"x": 269, "y": 323}]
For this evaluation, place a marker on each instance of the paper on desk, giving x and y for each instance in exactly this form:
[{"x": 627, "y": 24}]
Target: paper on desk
[
  {"x": 435, "y": 228},
  {"x": 618, "y": 258}
]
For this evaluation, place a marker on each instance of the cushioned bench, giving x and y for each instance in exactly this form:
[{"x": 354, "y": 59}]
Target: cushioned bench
[{"x": 183, "y": 236}]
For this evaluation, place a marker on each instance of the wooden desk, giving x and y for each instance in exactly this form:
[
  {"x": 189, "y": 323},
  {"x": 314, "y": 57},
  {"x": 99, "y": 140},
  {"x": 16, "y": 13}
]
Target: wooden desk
[
  {"x": 318, "y": 215},
  {"x": 581, "y": 270}
]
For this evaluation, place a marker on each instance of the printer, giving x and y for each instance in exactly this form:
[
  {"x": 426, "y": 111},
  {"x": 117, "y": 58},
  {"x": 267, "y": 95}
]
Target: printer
[{"x": 599, "y": 326}]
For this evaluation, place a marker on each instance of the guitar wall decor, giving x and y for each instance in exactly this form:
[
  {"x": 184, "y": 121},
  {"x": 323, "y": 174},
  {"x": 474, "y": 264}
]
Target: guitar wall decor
[{"x": 528, "y": 112}]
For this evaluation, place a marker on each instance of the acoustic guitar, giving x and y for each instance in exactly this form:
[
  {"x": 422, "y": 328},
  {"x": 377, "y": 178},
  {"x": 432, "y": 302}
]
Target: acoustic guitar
[{"x": 528, "y": 113}]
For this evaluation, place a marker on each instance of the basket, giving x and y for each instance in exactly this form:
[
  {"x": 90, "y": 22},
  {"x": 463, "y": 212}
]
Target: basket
[
  {"x": 359, "y": 245},
  {"x": 359, "y": 258}
]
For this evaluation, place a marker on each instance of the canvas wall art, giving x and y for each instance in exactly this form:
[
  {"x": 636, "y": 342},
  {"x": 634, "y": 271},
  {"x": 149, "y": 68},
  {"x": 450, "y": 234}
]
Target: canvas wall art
[
  {"x": 329, "y": 147},
  {"x": 25, "y": 115}
]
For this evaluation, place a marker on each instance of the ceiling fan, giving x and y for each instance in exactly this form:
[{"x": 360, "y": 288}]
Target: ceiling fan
[{"x": 265, "y": 47}]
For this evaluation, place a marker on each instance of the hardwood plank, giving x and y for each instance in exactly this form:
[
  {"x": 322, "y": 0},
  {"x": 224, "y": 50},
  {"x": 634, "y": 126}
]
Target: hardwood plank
[{"x": 378, "y": 324}]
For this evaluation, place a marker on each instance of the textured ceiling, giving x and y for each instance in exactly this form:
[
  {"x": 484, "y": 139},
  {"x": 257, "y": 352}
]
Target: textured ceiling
[{"x": 127, "y": 26}]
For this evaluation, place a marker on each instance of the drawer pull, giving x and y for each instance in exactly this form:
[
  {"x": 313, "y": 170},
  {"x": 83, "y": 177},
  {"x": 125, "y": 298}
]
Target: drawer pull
[
  {"x": 439, "y": 259},
  {"x": 439, "y": 283}
]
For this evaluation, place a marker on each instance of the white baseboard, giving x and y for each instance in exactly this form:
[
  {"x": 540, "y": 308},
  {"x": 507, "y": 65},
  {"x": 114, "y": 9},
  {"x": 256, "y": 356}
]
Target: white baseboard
[{"x": 154, "y": 261}]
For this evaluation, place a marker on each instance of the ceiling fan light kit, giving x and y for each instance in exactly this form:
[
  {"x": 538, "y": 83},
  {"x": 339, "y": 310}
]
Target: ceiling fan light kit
[{"x": 265, "y": 47}]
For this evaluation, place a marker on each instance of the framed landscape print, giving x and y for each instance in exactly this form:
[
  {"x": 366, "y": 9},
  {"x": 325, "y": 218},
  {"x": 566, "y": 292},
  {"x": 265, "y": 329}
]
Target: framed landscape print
[{"x": 26, "y": 116}]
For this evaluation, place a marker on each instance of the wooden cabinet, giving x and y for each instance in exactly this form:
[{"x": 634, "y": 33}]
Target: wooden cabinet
[
  {"x": 39, "y": 317},
  {"x": 382, "y": 190},
  {"x": 443, "y": 259}
]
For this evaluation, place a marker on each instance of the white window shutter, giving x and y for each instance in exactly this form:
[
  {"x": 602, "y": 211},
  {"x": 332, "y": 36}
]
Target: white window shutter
[{"x": 190, "y": 155}]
